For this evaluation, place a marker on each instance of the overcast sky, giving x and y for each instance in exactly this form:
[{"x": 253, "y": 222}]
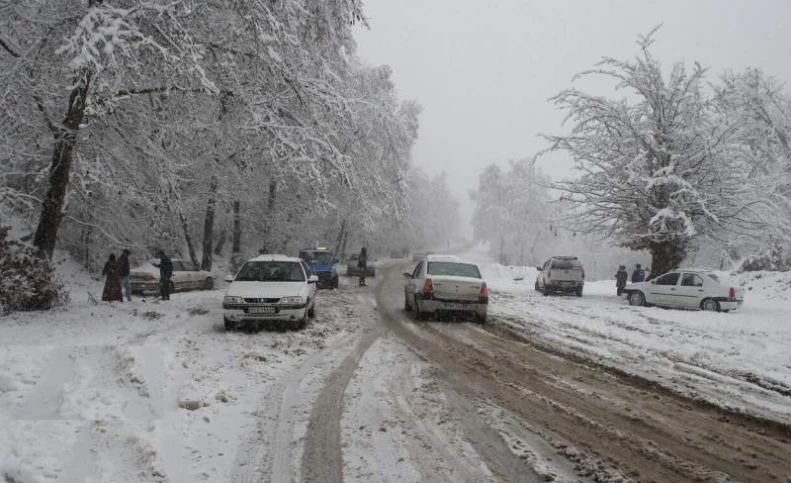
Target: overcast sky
[{"x": 483, "y": 71}]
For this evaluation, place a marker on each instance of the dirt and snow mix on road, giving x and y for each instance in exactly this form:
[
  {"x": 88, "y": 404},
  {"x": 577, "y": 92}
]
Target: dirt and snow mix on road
[
  {"x": 148, "y": 391},
  {"x": 738, "y": 360}
]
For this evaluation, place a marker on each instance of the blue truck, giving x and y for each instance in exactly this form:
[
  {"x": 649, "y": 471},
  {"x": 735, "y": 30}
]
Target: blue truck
[{"x": 323, "y": 263}]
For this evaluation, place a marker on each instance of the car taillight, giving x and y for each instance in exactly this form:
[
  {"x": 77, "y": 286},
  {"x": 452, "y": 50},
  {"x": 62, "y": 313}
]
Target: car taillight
[
  {"x": 732, "y": 293},
  {"x": 484, "y": 291},
  {"x": 428, "y": 287},
  {"x": 149, "y": 278}
]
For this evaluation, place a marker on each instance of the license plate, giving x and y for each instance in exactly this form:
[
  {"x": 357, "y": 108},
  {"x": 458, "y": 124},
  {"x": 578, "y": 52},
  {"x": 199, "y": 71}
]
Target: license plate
[
  {"x": 261, "y": 310},
  {"x": 455, "y": 307}
]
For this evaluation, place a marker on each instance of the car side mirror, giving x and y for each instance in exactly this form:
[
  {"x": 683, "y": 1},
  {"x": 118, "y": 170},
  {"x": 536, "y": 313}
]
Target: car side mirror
[
  {"x": 313, "y": 279},
  {"x": 407, "y": 275},
  {"x": 229, "y": 278}
]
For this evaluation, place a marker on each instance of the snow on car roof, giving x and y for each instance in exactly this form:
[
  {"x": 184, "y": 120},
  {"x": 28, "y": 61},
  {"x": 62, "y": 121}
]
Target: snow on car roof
[
  {"x": 275, "y": 257},
  {"x": 443, "y": 258}
]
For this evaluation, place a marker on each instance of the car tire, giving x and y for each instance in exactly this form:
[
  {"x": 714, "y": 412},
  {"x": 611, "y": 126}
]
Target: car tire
[
  {"x": 578, "y": 292},
  {"x": 636, "y": 298},
  {"x": 546, "y": 290},
  {"x": 416, "y": 312},
  {"x": 407, "y": 307},
  {"x": 536, "y": 286},
  {"x": 312, "y": 311},
  {"x": 229, "y": 324},
  {"x": 710, "y": 305},
  {"x": 481, "y": 319},
  {"x": 208, "y": 284}
]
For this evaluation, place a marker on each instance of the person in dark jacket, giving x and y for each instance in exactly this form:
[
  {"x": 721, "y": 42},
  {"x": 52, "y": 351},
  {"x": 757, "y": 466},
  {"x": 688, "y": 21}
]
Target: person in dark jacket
[
  {"x": 165, "y": 274},
  {"x": 621, "y": 277},
  {"x": 112, "y": 283},
  {"x": 123, "y": 260},
  {"x": 638, "y": 275},
  {"x": 362, "y": 265}
]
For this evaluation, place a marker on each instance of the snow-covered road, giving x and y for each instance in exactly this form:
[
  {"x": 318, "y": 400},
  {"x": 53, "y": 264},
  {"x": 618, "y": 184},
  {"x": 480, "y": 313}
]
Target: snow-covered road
[{"x": 553, "y": 389}]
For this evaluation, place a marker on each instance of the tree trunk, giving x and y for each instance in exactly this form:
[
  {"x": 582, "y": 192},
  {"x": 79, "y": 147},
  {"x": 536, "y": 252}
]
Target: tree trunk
[
  {"x": 208, "y": 228},
  {"x": 221, "y": 242},
  {"x": 343, "y": 245},
  {"x": 270, "y": 215},
  {"x": 185, "y": 227},
  {"x": 666, "y": 256},
  {"x": 236, "y": 248},
  {"x": 60, "y": 169},
  {"x": 340, "y": 237}
]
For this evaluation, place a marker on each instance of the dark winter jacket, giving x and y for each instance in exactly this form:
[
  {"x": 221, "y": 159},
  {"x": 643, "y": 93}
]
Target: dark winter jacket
[
  {"x": 621, "y": 278},
  {"x": 362, "y": 260},
  {"x": 165, "y": 268},
  {"x": 638, "y": 275},
  {"x": 124, "y": 262}
]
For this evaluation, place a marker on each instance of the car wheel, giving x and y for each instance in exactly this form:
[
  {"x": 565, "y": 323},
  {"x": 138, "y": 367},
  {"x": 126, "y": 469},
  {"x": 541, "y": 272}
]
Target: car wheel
[
  {"x": 536, "y": 287},
  {"x": 229, "y": 324},
  {"x": 208, "y": 284},
  {"x": 407, "y": 307},
  {"x": 636, "y": 298},
  {"x": 312, "y": 311},
  {"x": 416, "y": 312},
  {"x": 710, "y": 305},
  {"x": 578, "y": 292},
  {"x": 481, "y": 319},
  {"x": 546, "y": 290}
]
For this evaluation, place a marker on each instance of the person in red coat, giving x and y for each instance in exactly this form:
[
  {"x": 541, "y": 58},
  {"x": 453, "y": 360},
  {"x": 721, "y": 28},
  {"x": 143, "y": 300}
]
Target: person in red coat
[{"x": 112, "y": 283}]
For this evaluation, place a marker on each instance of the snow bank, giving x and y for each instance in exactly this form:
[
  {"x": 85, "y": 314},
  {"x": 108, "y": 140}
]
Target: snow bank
[{"x": 739, "y": 360}]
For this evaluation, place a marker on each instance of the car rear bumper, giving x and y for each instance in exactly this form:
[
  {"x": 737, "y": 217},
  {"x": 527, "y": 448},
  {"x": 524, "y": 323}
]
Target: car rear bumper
[
  {"x": 433, "y": 305},
  {"x": 565, "y": 286},
  {"x": 145, "y": 287},
  {"x": 728, "y": 304}
]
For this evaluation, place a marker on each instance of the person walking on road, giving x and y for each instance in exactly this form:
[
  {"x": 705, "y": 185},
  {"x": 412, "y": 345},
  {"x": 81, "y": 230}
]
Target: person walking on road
[
  {"x": 621, "y": 277},
  {"x": 638, "y": 275},
  {"x": 165, "y": 274},
  {"x": 362, "y": 265},
  {"x": 123, "y": 261},
  {"x": 112, "y": 282}
]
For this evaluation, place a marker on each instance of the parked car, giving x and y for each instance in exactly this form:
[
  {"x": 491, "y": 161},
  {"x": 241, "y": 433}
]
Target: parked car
[
  {"x": 323, "y": 264},
  {"x": 442, "y": 284},
  {"x": 353, "y": 271},
  {"x": 561, "y": 274},
  {"x": 186, "y": 276},
  {"x": 270, "y": 288},
  {"x": 686, "y": 289}
]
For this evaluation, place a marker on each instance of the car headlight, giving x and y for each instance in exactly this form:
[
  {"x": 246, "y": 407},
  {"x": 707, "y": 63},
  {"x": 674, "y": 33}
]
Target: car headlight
[
  {"x": 229, "y": 299},
  {"x": 291, "y": 300}
]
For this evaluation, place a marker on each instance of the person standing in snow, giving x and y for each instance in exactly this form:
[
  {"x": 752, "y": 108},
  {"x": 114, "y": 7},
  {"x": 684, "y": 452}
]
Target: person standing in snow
[
  {"x": 123, "y": 260},
  {"x": 362, "y": 265},
  {"x": 165, "y": 274},
  {"x": 638, "y": 275},
  {"x": 621, "y": 277},
  {"x": 112, "y": 282}
]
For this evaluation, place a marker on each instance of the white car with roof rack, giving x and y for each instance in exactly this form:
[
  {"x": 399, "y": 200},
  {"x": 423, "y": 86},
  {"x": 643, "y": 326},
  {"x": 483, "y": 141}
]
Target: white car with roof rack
[
  {"x": 687, "y": 288},
  {"x": 270, "y": 288},
  {"x": 442, "y": 284},
  {"x": 561, "y": 274}
]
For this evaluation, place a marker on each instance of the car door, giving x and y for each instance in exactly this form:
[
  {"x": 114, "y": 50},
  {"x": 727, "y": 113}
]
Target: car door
[
  {"x": 664, "y": 290},
  {"x": 191, "y": 274},
  {"x": 414, "y": 281},
  {"x": 311, "y": 286},
  {"x": 691, "y": 290}
]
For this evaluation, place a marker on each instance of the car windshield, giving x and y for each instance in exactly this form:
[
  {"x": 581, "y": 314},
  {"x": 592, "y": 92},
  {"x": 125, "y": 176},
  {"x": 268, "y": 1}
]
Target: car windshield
[
  {"x": 453, "y": 269},
  {"x": 565, "y": 263},
  {"x": 317, "y": 257},
  {"x": 270, "y": 272}
]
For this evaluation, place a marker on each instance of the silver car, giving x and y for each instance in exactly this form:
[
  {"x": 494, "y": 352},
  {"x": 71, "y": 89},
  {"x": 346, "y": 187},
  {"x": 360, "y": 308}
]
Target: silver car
[{"x": 442, "y": 284}]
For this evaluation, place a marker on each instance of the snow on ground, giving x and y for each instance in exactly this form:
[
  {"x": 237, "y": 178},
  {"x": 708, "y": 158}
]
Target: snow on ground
[
  {"x": 141, "y": 391},
  {"x": 740, "y": 359}
]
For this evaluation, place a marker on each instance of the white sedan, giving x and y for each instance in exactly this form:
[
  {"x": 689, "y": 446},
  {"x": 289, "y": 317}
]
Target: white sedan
[
  {"x": 686, "y": 289},
  {"x": 270, "y": 288},
  {"x": 442, "y": 284},
  {"x": 186, "y": 276}
]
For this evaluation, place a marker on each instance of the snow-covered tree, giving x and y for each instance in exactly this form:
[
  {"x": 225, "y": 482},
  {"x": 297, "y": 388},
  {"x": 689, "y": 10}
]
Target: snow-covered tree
[{"x": 656, "y": 166}]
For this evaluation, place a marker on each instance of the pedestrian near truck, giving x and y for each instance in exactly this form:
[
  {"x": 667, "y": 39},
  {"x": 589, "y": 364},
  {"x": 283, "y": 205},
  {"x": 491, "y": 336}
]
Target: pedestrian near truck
[
  {"x": 165, "y": 274},
  {"x": 362, "y": 265},
  {"x": 123, "y": 261},
  {"x": 621, "y": 277}
]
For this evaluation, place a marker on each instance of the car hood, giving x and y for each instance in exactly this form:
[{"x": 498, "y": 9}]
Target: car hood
[{"x": 266, "y": 289}]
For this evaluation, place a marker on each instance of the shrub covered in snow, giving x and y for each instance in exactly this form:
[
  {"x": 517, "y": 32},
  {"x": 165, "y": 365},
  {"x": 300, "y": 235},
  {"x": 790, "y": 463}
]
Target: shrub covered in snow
[
  {"x": 25, "y": 279},
  {"x": 772, "y": 259}
]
